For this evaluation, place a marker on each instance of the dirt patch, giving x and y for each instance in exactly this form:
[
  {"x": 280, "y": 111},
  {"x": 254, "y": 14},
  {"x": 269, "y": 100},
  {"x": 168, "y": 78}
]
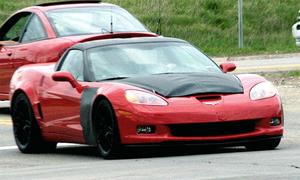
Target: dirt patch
[{"x": 289, "y": 89}]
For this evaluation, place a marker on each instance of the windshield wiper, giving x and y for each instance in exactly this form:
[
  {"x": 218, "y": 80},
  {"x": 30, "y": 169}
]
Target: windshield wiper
[{"x": 112, "y": 78}]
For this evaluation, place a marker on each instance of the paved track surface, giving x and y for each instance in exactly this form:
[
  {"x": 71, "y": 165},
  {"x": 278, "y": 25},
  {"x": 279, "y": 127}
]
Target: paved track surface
[
  {"x": 256, "y": 64},
  {"x": 82, "y": 162},
  {"x": 268, "y": 65}
]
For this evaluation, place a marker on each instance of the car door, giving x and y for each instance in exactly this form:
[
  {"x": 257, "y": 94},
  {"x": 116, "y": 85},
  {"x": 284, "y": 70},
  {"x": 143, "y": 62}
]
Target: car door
[
  {"x": 32, "y": 41},
  {"x": 10, "y": 34},
  {"x": 6, "y": 71},
  {"x": 26, "y": 39},
  {"x": 60, "y": 102}
]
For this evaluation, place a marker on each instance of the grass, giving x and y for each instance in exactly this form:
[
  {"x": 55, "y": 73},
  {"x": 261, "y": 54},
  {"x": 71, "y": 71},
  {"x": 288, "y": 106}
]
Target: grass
[
  {"x": 293, "y": 74},
  {"x": 210, "y": 24},
  {"x": 283, "y": 74}
]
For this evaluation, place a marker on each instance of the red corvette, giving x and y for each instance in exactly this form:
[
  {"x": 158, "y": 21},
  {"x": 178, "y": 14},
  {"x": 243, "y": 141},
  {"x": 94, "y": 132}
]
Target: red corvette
[
  {"x": 42, "y": 33},
  {"x": 137, "y": 91}
]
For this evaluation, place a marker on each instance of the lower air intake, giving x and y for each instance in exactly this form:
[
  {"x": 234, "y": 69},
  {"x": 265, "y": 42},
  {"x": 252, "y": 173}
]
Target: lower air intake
[{"x": 212, "y": 129}]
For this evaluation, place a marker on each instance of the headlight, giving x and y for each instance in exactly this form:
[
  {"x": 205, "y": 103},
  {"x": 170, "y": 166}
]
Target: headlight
[
  {"x": 262, "y": 91},
  {"x": 139, "y": 97}
]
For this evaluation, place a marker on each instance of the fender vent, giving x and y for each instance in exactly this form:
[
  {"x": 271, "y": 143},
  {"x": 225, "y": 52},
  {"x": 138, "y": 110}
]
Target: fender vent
[{"x": 40, "y": 111}]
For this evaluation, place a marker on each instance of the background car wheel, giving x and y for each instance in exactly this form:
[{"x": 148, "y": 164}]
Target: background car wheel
[
  {"x": 26, "y": 130},
  {"x": 106, "y": 130},
  {"x": 264, "y": 145}
]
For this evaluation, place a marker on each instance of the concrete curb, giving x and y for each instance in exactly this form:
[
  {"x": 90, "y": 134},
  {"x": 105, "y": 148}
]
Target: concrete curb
[{"x": 256, "y": 57}]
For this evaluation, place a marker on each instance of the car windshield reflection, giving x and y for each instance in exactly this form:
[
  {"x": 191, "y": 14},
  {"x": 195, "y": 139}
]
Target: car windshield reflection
[
  {"x": 142, "y": 59},
  {"x": 92, "y": 20}
]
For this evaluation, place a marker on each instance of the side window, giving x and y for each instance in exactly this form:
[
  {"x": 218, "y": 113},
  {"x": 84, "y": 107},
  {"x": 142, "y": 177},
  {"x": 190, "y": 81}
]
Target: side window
[
  {"x": 34, "y": 30},
  {"x": 73, "y": 63},
  {"x": 13, "y": 29}
]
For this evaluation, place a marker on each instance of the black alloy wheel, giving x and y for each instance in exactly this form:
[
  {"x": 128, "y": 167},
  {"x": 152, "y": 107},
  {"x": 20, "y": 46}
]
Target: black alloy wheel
[
  {"x": 106, "y": 130},
  {"x": 25, "y": 127}
]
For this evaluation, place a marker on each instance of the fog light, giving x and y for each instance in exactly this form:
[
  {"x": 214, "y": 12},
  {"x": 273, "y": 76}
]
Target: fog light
[
  {"x": 275, "y": 122},
  {"x": 145, "y": 129}
]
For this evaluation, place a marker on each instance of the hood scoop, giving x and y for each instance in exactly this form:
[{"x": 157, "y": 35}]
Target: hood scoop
[
  {"x": 179, "y": 84},
  {"x": 209, "y": 98}
]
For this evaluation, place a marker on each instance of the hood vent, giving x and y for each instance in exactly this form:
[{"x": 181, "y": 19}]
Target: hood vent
[{"x": 209, "y": 98}]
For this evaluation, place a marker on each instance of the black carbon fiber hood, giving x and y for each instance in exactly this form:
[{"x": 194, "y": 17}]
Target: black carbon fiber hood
[{"x": 186, "y": 84}]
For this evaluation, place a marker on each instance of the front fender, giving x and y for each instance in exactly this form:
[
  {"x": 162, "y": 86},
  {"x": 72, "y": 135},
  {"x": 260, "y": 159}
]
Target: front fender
[
  {"x": 21, "y": 84},
  {"x": 86, "y": 110},
  {"x": 90, "y": 97},
  {"x": 250, "y": 80}
]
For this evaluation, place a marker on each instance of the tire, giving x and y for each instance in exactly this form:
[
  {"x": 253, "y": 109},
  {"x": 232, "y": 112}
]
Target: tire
[
  {"x": 106, "y": 130},
  {"x": 264, "y": 145},
  {"x": 25, "y": 127}
]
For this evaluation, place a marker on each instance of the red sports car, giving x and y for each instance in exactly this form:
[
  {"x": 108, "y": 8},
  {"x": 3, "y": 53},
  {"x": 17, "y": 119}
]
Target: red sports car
[
  {"x": 42, "y": 33},
  {"x": 138, "y": 91}
]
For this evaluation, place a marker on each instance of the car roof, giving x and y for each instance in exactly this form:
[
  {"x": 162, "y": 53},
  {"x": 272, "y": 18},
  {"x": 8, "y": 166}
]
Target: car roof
[
  {"x": 54, "y": 6},
  {"x": 69, "y": 2},
  {"x": 119, "y": 41}
]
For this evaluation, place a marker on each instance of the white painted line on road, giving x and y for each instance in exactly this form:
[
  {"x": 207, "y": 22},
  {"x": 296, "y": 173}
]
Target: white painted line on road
[
  {"x": 5, "y": 121},
  {"x": 4, "y": 104},
  {"x": 60, "y": 145},
  {"x": 8, "y": 148}
]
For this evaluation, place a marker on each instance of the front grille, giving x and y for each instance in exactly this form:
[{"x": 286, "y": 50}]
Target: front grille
[{"x": 212, "y": 129}]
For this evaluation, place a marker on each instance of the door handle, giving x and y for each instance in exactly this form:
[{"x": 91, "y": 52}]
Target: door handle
[
  {"x": 3, "y": 50},
  {"x": 9, "y": 53}
]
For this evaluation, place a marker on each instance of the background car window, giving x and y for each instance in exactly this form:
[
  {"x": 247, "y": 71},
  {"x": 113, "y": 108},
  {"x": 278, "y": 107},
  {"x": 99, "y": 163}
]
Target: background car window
[
  {"x": 13, "y": 29},
  {"x": 34, "y": 30},
  {"x": 73, "y": 63}
]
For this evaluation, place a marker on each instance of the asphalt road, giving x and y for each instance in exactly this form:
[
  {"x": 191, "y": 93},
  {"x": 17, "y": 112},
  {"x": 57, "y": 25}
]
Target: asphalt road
[
  {"x": 264, "y": 63},
  {"x": 82, "y": 162},
  {"x": 268, "y": 65}
]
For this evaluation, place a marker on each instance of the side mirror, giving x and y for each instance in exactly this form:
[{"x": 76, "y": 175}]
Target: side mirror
[
  {"x": 228, "y": 67},
  {"x": 64, "y": 76}
]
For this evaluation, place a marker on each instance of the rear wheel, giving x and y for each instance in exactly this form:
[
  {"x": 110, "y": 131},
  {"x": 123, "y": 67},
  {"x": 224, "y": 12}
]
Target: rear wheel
[
  {"x": 264, "y": 145},
  {"x": 26, "y": 130},
  {"x": 106, "y": 130}
]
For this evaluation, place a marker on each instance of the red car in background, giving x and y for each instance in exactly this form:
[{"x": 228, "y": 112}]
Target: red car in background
[{"x": 42, "y": 33}]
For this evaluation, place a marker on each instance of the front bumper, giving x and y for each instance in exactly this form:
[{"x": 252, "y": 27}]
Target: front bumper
[
  {"x": 194, "y": 113},
  {"x": 216, "y": 143}
]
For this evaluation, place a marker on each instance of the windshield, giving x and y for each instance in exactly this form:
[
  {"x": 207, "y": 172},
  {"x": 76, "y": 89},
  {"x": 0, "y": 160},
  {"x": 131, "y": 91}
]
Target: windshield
[
  {"x": 140, "y": 59},
  {"x": 90, "y": 20}
]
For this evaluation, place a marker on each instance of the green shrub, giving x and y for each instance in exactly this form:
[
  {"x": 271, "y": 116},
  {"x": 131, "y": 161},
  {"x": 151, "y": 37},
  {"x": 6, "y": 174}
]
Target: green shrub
[{"x": 210, "y": 24}]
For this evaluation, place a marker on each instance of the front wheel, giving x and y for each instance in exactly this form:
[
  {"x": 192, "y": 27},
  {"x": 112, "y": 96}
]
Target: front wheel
[
  {"x": 264, "y": 145},
  {"x": 26, "y": 130},
  {"x": 106, "y": 130}
]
